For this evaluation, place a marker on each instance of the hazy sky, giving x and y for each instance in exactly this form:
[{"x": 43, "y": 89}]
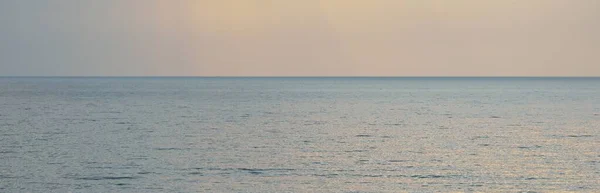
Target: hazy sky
[{"x": 300, "y": 37}]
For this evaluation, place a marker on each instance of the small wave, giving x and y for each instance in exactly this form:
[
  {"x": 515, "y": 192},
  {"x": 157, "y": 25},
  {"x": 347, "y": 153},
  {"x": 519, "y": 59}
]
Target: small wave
[
  {"x": 170, "y": 149},
  {"x": 393, "y": 124},
  {"x": 255, "y": 171},
  {"x": 431, "y": 176},
  {"x": 308, "y": 123},
  {"x": 530, "y": 147},
  {"x": 534, "y": 178},
  {"x": 480, "y": 137},
  {"x": 196, "y": 173},
  {"x": 326, "y": 175},
  {"x": 107, "y": 178},
  {"x": 124, "y": 123},
  {"x": 373, "y": 175},
  {"x": 576, "y": 136},
  {"x": 7, "y": 177},
  {"x": 265, "y": 169},
  {"x": 358, "y": 150}
]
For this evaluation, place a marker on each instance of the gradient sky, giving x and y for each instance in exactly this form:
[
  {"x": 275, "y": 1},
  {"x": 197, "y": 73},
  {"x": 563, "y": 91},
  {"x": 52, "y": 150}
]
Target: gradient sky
[{"x": 300, "y": 37}]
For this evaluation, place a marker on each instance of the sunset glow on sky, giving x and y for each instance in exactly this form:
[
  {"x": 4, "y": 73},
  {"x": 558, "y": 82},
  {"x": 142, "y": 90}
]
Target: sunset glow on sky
[{"x": 300, "y": 38}]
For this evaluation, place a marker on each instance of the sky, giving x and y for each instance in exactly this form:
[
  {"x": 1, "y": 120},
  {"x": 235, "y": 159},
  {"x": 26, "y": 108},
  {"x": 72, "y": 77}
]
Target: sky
[{"x": 300, "y": 38}]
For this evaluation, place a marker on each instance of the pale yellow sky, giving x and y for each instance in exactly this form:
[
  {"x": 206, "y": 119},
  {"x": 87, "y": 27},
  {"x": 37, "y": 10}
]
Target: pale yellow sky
[{"x": 301, "y": 37}]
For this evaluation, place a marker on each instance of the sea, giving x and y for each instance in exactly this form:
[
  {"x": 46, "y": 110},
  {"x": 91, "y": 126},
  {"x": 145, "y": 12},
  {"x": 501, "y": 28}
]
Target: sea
[{"x": 299, "y": 134}]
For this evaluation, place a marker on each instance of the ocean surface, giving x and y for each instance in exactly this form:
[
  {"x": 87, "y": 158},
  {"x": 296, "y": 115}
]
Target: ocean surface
[{"x": 299, "y": 134}]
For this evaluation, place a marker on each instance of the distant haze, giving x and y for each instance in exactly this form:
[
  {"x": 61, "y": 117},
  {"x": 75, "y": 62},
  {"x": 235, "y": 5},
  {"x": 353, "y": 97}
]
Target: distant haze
[{"x": 300, "y": 38}]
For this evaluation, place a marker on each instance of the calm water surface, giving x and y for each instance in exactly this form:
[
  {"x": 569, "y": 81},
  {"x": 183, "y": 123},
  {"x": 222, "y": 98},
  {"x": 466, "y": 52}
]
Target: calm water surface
[{"x": 299, "y": 134}]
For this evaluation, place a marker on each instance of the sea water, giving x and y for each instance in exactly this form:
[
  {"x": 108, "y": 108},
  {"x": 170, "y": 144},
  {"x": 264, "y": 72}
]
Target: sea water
[{"x": 309, "y": 134}]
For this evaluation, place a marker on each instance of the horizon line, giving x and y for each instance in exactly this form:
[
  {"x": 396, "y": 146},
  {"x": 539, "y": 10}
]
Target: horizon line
[{"x": 164, "y": 76}]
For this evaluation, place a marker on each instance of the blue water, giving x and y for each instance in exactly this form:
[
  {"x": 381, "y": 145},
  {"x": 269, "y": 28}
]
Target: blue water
[{"x": 299, "y": 134}]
